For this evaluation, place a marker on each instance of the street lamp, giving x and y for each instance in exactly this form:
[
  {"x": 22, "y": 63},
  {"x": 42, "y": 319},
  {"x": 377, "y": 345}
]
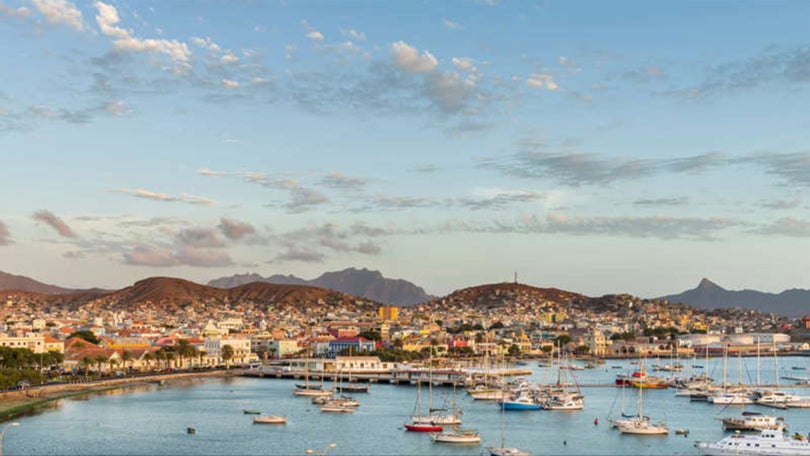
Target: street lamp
[
  {"x": 311, "y": 451},
  {"x": 15, "y": 423}
]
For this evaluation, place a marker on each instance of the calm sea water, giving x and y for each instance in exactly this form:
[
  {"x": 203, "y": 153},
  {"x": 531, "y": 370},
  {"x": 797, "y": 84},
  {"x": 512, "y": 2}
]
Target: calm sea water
[{"x": 153, "y": 420}]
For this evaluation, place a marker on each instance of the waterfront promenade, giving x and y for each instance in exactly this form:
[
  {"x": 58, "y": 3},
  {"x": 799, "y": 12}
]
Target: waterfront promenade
[{"x": 17, "y": 402}]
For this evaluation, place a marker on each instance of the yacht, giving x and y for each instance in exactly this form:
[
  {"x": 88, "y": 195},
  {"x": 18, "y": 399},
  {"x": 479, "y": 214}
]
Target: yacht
[
  {"x": 752, "y": 421},
  {"x": 769, "y": 442},
  {"x": 457, "y": 436}
]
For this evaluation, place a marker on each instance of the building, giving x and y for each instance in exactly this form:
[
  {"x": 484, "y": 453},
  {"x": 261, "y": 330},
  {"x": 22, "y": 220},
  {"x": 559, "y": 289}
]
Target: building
[
  {"x": 388, "y": 313},
  {"x": 32, "y": 341},
  {"x": 358, "y": 344},
  {"x": 240, "y": 346}
]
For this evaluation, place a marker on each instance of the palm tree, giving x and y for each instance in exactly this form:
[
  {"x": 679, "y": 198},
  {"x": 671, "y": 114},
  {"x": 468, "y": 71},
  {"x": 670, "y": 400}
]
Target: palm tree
[
  {"x": 126, "y": 357},
  {"x": 148, "y": 357},
  {"x": 227, "y": 354},
  {"x": 112, "y": 363},
  {"x": 100, "y": 359},
  {"x": 86, "y": 362},
  {"x": 184, "y": 350},
  {"x": 201, "y": 354}
]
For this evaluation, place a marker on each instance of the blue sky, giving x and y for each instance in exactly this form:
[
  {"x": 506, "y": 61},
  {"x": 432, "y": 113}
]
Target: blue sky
[{"x": 595, "y": 146}]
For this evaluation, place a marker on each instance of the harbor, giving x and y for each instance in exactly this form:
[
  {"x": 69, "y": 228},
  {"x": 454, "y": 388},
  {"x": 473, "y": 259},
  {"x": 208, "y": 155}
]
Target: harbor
[{"x": 215, "y": 409}]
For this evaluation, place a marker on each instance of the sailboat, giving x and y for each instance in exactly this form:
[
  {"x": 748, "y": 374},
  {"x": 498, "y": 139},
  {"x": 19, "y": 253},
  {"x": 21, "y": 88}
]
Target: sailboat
[
  {"x": 417, "y": 412},
  {"x": 436, "y": 416},
  {"x": 641, "y": 425},
  {"x": 503, "y": 450},
  {"x": 309, "y": 390},
  {"x": 457, "y": 435}
]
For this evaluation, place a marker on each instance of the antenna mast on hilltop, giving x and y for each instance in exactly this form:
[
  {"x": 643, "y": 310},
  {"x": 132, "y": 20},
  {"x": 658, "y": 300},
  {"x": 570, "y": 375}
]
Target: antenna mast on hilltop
[{"x": 516, "y": 277}]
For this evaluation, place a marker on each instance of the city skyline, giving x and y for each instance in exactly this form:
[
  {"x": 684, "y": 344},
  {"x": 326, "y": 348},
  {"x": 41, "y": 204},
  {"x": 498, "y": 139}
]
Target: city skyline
[{"x": 597, "y": 147}]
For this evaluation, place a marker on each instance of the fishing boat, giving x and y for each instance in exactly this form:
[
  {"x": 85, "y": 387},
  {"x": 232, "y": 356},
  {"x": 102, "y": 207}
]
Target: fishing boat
[
  {"x": 565, "y": 401},
  {"x": 252, "y": 412},
  {"x": 270, "y": 419},
  {"x": 767, "y": 442}
]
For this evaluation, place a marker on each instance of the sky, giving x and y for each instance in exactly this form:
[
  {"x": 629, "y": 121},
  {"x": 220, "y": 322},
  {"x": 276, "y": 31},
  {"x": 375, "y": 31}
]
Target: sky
[{"x": 594, "y": 146}]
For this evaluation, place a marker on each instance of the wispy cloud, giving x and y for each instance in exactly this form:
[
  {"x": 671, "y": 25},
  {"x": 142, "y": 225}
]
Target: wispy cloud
[
  {"x": 145, "y": 255},
  {"x": 787, "y": 65},
  {"x": 786, "y": 226},
  {"x": 542, "y": 81},
  {"x": 451, "y": 25},
  {"x": 200, "y": 238},
  {"x": 298, "y": 253},
  {"x": 157, "y": 196},
  {"x": 60, "y": 12},
  {"x": 312, "y": 33},
  {"x": 20, "y": 12},
  {"x": 48, "y": 218},
  {"x": 792, "y": 168},
  {"x": 343, "y": 182},
  {"x": 782, "y": 204},
  {"x": 354, "y": 34},
  {"x": 658, "y": 202},
  {"x": 661, "y": 227},
  {"x": 5, "y": 235}
]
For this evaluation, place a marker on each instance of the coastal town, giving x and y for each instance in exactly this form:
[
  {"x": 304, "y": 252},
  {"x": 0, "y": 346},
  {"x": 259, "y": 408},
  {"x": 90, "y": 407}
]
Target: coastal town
[{"x": 109, "y": 335}]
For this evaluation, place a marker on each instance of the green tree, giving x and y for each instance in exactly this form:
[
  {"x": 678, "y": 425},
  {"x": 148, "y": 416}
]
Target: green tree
[
  {"x": 563, "y": 340},
  {"x": 99, "y": 359},
  {"x": 87, "y": 335},
  {"x": 86, "y": 362},
  {"x": 227, "y": 353},
  {"x": 514, "y": 350},
  {"x": 148, "y": 357},
  {"x": 371, "y": 335},
  {"x": 126, "y": 358}
]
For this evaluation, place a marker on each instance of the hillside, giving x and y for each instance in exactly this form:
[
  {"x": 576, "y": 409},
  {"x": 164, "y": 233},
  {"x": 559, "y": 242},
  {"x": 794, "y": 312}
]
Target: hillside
[
  {"x": 708, "y": 295},
  {"x": 22, "y": 283},
  {"x": 498, "y": 295},
  {"x": 358, "y": 282}
]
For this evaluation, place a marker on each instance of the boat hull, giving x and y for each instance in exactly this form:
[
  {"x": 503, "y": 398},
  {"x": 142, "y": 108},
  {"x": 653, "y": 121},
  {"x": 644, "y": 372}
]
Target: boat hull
[{"x": 423, "y": 428}]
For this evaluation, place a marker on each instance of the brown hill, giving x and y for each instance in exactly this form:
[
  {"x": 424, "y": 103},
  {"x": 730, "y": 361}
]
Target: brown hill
[
  {"x": 22, "y": 283},
  {"x": 172, "y": 294},
  {"x": 501, "y": 294}
]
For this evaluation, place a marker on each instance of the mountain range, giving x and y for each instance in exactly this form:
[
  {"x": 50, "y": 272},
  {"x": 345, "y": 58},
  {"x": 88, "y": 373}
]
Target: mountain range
[
  {"x": 708, "y": 295},
  {"x": 358, "y": 282},
  {"x": 352, "y": 284}
]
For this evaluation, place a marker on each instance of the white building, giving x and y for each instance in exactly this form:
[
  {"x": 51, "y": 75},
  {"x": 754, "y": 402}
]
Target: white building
[
  {"x": 32, "y": 341},
  {"x": 240, "y": 345}
]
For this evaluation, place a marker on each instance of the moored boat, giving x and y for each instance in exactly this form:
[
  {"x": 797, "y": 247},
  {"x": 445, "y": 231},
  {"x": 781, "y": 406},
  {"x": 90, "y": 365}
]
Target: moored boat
[
  {"x": 459, "y": 436},
  {"x": 423, "y": 428},
  {"x": 270, "y": 419},
  {"x": 767, "y": 442}
]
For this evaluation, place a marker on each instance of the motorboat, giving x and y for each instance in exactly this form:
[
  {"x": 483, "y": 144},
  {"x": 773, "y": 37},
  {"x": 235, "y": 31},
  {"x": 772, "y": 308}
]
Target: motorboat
[
  {"x": 767, "y": 442},
  {"x": 752, "y": 421},
  {"x": 252, "y": 412}
]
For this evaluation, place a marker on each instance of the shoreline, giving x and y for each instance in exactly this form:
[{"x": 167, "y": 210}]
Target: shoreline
[{"x": 21, "y": 402}]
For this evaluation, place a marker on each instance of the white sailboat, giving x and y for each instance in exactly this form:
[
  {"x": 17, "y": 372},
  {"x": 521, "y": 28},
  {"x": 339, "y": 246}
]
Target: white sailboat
[
  {"x": 436, "y": 416},
  {"x": 308, "y": 390},
  {"x": 640, "y": 424},
  {"x": 504, "y": 450}
]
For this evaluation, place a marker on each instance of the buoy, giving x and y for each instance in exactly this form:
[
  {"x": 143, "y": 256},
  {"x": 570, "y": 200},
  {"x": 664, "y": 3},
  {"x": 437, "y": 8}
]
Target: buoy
[{"x": 596, "y": 421}]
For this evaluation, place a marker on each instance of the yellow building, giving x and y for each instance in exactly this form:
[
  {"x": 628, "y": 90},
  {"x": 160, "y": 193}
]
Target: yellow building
[{"x": 388, "y": 313}]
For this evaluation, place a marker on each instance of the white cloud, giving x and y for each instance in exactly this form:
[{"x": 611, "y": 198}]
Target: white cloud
[
  {"x": 157, "y": 196},
  {"x": 117, "y": 108},
  {"x": 452, "y": 25},
  {"x": 408, "y": 58},
  {"x": 206, "y": 43},
  {"x": 542, "y": 81},
  {"x": 229, "y": 84},
  {"x": 108, "y": 20},
  {"x": 229, "y": 58},
  {"x": 289, "y": 52},
  {"x": 464, "y": 64},
  {"x": 354, "y": 34},
  {"x": 60, "y": 12},
  {"x": 21, "y": 12},
  {"x": 311, "y": 32}
]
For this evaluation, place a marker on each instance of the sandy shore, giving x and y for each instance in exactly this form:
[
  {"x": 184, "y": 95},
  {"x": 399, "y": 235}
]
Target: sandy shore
[{"x": 15, "y": 403}]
